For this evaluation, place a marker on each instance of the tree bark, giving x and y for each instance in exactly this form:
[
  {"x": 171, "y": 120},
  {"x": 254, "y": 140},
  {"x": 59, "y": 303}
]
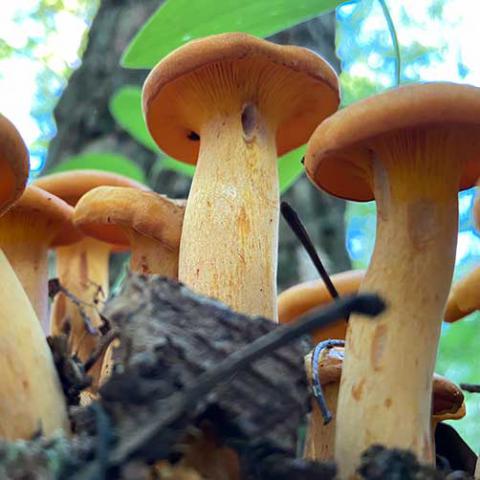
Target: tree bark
[{"x": 84, "y": 124}]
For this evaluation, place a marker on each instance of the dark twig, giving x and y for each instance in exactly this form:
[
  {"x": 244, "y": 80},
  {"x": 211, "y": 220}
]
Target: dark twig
[
  {"x": 183, "y": 402},
  {"x": 470, "y": 387},
  {"x": 100, "y": 348},
  {"x": 294, "y": 222},
  {"x": 55, "y": 287},
  {"x": 317, "y": 385}
]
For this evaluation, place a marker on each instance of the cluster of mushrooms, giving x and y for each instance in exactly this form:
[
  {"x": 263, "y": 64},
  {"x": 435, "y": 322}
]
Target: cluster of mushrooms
[{"x": 231, "y": 104}]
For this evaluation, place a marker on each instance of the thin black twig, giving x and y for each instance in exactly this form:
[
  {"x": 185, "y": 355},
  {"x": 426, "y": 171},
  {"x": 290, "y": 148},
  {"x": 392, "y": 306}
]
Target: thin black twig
[
  {"x": 100, "y": 348},
  {"x": 470, "y": 387},
  {"x": 294, "y": 222},
  {"x": 317, "y": 385},
  {"x": 55, "y": 287}
]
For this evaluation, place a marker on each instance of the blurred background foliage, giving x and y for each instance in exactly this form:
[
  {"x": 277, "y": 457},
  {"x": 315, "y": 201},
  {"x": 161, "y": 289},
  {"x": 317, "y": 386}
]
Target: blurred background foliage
[{"x": 42, "y": 43}]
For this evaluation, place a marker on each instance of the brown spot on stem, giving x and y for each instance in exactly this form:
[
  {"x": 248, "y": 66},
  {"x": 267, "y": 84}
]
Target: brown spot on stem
[
  {"x": 388, "y": 402},
  {"x": 243, "y": 223},
  {"x": 422, "y": 223},
  {"x": 83, "y": 269},
  {"x": 378, "y": 346},
  {"x": 357, "y": 389}
]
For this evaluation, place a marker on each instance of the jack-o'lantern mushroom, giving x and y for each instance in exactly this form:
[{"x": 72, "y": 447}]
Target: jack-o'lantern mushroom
[
  {"x": 447, "y": 404},
  {"x": 411, "y": 149},
  {"x": 30, "y": 396},
  {"x": 147, "y": 223},
  {"x": 83, "y": 266},
  {"x": 464, "y": 297},
  {"x": 231, "y": 104},
  {"x": 37, "y": 222},
  {"x": 300, "y": 299}
]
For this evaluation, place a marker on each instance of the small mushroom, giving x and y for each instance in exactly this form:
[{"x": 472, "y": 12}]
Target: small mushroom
[
  {"x": 83, "y": 266},
  {"x": 300, "y": 299},
  {"x": 230, "y": 104},
  {"x": 37, "y": 222},
  {"x": 412, "y": 149},
  {"x": 149, "y": 223},
  {"x": 146, "y": 222},
  {"x": 464, "y": 297},
  {"x": 447, "y": 404},
  {"x": 31, "y": 397}
]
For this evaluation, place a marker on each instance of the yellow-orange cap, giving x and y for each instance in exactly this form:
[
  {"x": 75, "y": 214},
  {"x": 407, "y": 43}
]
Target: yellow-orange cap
[
  {"x": 14, "y": 164},
  {"x": 104, "y": 213},
  {"x": 247, "y": 69},
  {"x": 338, "y": 154}
]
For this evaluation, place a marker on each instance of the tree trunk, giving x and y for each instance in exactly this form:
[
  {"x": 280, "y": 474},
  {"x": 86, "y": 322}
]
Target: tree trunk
[{"x": 84, "y": 124}]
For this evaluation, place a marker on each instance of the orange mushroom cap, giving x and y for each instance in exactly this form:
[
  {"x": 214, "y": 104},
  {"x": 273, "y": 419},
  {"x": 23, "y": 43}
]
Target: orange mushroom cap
[
  {"x": 36, "y": 202},
  {"x": 14, "y": 164},
  {"x": 243, "y": 67},
  {"x": 448, "y": 399},
  {"x": 71, "y": 186},
  {"x": 338, "y": 152},
  {"x": 464, "y": 297},
  {"x": 104, "y": 212},
  {"x": 300, "y": 299}
]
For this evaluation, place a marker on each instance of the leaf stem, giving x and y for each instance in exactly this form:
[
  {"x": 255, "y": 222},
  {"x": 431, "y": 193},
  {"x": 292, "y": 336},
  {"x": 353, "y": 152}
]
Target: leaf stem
[{"x": 396, "y": 46}]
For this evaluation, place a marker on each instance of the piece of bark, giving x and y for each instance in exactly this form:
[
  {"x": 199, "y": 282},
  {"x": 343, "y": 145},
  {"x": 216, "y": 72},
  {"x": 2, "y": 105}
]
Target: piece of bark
[{"x": 168, "y": 332}]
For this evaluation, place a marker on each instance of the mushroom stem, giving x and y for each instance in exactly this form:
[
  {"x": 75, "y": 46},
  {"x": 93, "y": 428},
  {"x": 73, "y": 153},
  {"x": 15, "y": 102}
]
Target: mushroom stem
[
  {"x": 29, "y": 259},
  {"x": 150, "y": 256},
  {"x": 30, "y": 393},
  {"x": 236, "y": 179},
  {"x": 82, "y": 270},
  {"x": 389, "y": 363},
  {"x": 320, "y": 437}
]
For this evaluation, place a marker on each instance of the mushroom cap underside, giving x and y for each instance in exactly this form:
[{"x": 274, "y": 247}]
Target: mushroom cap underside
[
  {"x": 340, "y": 150},
  {"x": 106, "y": 212},
  {"x": 36, "y": 203},
  {"x": 247, "y": 68}
]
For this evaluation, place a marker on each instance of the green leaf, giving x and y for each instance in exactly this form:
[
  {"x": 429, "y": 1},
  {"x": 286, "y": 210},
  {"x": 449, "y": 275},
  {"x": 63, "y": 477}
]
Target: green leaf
[
  {"x": 109, "y": 162},
  {"x": 178, "y": 21},
  {"x": 290, "y": 167},
  {"x": 126, "y": 109}
]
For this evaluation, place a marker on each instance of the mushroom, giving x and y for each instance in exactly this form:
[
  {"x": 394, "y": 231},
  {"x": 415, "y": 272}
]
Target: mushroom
[
  {"x": 411, "y": 149},
  {"x": 83, "y": 266},
  {"x": 300, "y": 299},
  {"x": 30, "y": 395},
  {"x": 149, "y": 223},
  {"x": 447, "y": 404},
  {"x": 38, "y": 221},
  {"x": 464, "y": 297},
  {"x": 230, "y": 104}
]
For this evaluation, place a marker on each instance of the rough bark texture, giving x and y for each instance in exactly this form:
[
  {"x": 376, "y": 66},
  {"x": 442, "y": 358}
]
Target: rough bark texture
[{"x": 84, "y": 124}]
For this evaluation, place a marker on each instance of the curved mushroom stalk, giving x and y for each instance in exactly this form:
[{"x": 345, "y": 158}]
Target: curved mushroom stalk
[
  {"x": 231, "y": 104},
  {"x": 411, "y": 267},
  {"x": 150, "y": 256},
  {"x": 236, "y": 179},
  {"x": 31, "y": 397},
  {"x": 320, "y": 439},
  {"x": 27, "y": 231},
  {"x": 83, "y": 270}
]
